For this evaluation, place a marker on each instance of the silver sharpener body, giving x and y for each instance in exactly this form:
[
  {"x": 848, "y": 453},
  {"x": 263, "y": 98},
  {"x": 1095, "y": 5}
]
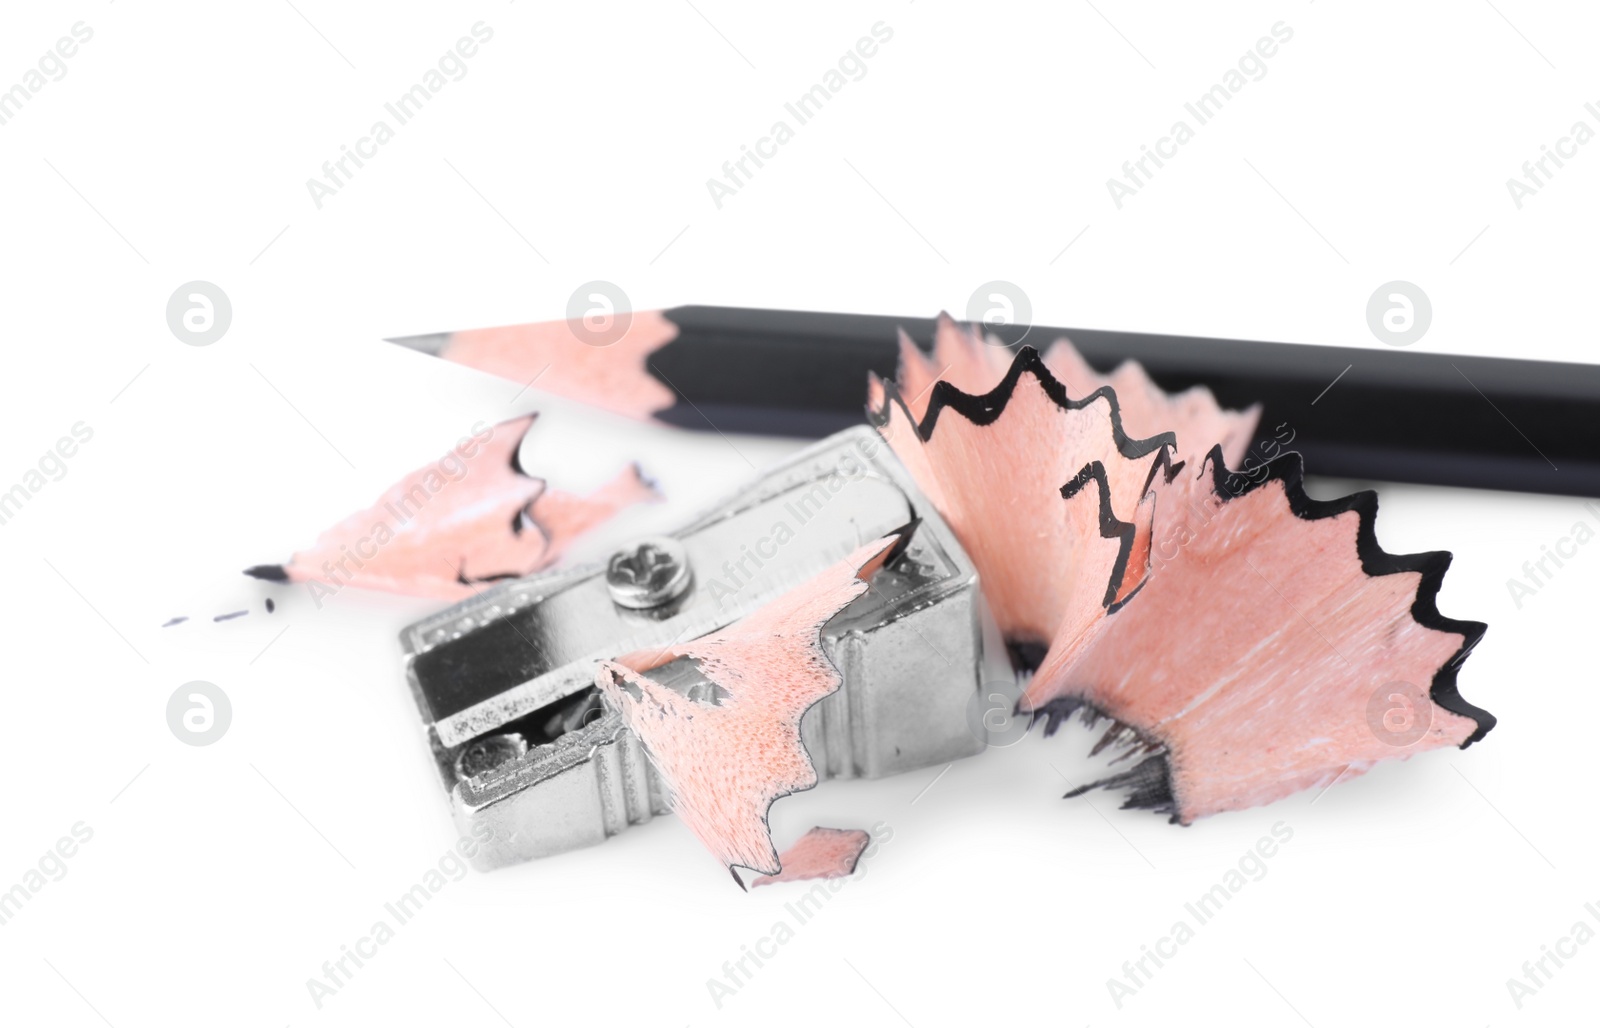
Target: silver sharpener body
[{"x": 533, "y": 758}]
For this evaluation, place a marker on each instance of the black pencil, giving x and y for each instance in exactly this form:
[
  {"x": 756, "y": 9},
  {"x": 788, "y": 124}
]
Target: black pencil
[{"x": 1387, "y": 414}]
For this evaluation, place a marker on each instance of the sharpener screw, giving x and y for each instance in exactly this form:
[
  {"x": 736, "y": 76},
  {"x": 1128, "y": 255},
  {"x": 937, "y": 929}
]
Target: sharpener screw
[{"x": 649, "y": 573}]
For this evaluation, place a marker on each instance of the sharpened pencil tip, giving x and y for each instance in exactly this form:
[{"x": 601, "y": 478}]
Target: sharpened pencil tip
[
  {"x": 433, "y": 344},
  {"x": 268, "y": 572}
]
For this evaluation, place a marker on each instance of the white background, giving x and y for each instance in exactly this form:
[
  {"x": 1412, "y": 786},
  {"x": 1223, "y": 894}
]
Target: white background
[{"x": 220, "y": 878}]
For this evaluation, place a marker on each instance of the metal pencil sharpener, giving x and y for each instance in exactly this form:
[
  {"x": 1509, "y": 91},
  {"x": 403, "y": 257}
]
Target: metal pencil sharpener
[{"x": 527, "y": 747}]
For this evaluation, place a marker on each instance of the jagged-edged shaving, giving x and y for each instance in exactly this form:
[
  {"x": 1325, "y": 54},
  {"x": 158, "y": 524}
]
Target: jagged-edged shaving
[
  {"x": 975, "y": 364},
  {"x": 997, "y": 481},
  {"x": 1306, "y": 654},
  {"x": 820, "y": 853},
  {"x": 1243, "y": 640},
  {"x": 474, "y": 516},
  {"x": 725, "y": 757}
]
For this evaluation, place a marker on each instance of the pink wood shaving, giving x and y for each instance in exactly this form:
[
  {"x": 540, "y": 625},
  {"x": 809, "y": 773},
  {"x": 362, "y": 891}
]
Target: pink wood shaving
[
  {"x": 820, "y": 853},
  {"x": 1248, "y": 641},
  {"x": 453, "y": 520},
  {"x": 975, "y": 364},
  {"x": 1044, "y": 566},
  {"x": 1254, "y": 648},
  {"x": 725, "y": 760}
]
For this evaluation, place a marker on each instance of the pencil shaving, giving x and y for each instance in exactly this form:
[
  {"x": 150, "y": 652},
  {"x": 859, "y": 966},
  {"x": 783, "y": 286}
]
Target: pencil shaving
[
  {"x": 997, "y": 481},
  {"x": 975, "y": 363},
  {"x": 820, "y": 853},
  {"x": 445, "y": 529},
  {"x": 726, "y": 757},
  {"x": 1245, "y": 640}
]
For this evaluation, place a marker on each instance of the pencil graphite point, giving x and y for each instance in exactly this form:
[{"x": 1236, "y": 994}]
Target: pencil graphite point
[
  {"x": 433, "y": 344},
  {"x": 268, "y": 572}
]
